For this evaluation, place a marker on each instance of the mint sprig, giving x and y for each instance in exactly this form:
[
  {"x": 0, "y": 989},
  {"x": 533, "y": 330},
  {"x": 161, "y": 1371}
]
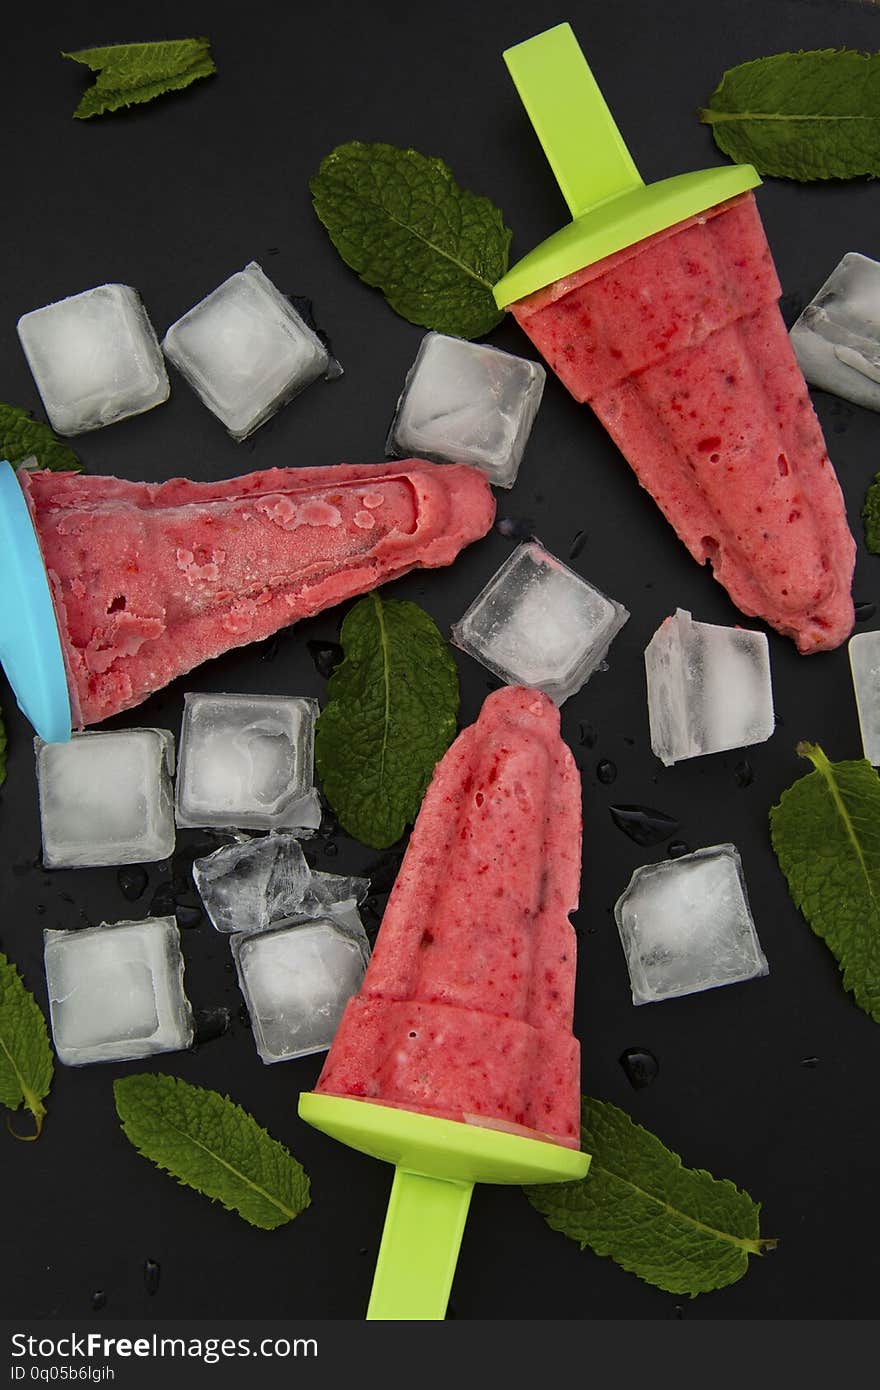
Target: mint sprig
[
  {"x": 826, "y": 834},
  {"x": 402, "y": 222},
  {"x": 26, "y": 1061},
  {"x": 675, "y": 1227},
  {"x": 209, "y": 1143},
  {"x": 871, "y": 517},
  {"x": 128, "y": 73},
  {"x": 391, "y": 716},
  {"x": 22, "y": 436},
  {"x": 806, "y": 115}
]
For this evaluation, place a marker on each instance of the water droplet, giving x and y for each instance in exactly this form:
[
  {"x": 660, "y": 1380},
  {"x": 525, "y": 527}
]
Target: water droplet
[
  {"x": 606, "y": 771},
  {"x": 66, "y": 897},
  {"x": 132, "y": 880},
  {"x": 809, "y": 1062},
  {"x": 210, "y": 1024},
  {"x": 269, "y": 649},
  {"x": 163, "y": 904},
  {"x": 152, "y": 1271},
  {"x": 678, "y": 1312},
  {"x": 99, "y": 1300},
  {"x": 326, "y": 656},
  {"x": 743, "y": 775},
  {"x": 676, "y": 849},
  {"x": 640, "y": 1066},
  {"x": 587, "y": 735},
  {"x": 331, "y": 849},
  {"x": 865, "y": 612},
  {"x": 516, "y": 528},
  {"x": 244, "y": 1017},
  {"x": 642, "y": 824},
  {"x": 577, "y": 545},
  {"x": 188, "y": 916},
  {"x": 41, "y": 908}
]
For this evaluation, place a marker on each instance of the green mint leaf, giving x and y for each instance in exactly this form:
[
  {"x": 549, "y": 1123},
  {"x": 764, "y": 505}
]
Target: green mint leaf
[
  {"x": 871, "y": 517},
  {"x": 133, "y": 72},
  {"x": 22, "y": 436},
  {"x": 26, "y": 1061},
  {"x": 401, "y": 221},
  {"x": 806, "y": 115},
  {"x": 826, "y": 834},
  {"x": 675, "y": 1227},
  {"x": 206, "y": 1141},
  {"x": 390, "y": 716}
]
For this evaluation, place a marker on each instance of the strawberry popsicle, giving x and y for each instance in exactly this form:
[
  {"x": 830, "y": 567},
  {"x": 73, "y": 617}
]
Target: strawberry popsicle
[
  {"x": 149, "y": 580},
  {"x": 657, "y": 305},
  {"x": 465, "y": 1012}
]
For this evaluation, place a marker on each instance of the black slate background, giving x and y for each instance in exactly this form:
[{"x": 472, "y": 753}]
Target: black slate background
[{"x": 172, "y": 198}]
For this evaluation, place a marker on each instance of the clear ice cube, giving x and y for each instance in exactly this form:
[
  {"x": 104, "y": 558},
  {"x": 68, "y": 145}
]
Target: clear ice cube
[
  {"x": 685, "y": 926},
  {"x": 837, "y": 337},
  {"x": 94, "y": 357},
  {"x": 246, "y": 761},
  {"x": 296, "y": 982},
  {"x": 538, "y": 623},
  {"x": 245, "y": 350},
  {"x": 116, "y": 991},
  {"x": 247, "y": 887},
  {"x": 708, "y": 688},
  {"x": 326, "y": 891},
  {"x": 864, "y": 659},
  {"x": 106, "y": 798},
  {"x": 468, "y": 403}
]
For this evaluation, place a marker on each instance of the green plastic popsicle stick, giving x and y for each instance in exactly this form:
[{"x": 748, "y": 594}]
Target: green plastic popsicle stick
[
  {"x": 610, "y": 205},
  {"x": 436, "y": 1163}
]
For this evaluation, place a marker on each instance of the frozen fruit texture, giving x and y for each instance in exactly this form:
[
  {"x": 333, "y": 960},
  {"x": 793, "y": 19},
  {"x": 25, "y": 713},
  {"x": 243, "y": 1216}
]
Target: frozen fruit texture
[
  {"x": 466, "y": 1008},
  {"x": 151, "y": 579},
  {"x": 678, "y": 345}
]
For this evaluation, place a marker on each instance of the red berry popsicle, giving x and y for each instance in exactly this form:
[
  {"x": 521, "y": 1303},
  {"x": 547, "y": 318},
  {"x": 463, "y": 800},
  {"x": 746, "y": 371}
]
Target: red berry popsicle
[
  {"x": 665, "y": 321},
  {"x": 149, "y": 580}
]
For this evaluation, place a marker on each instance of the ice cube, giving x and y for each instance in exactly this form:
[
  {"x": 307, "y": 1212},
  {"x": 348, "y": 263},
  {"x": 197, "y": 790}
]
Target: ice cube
[
  {"x": 864, "y": 660},
  {"x": 245, "y": 350},
  {"x": 94, "y": 358},
  {"x": 685, "y": 926},
  {"x": 247, "y": 887},
  {"x": 708, "y": 688},
  {"x": 325, "y": 891},
  {"x": 116, "y": 991},
  {"x": 106, "y": 798},
  {"x": 538, "y": 623},
  {"x": 467, "y": 403},
  {"x": 837, "y": 337},
  {"x": 296, "y": 982},
  {"x": 246, "y": 761}
]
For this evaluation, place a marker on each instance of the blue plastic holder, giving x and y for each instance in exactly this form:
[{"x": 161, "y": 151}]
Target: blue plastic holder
[{"x": 30, "y": 648}]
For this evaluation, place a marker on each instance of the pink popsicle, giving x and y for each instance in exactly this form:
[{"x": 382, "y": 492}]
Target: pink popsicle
[
  {"x": 151, "y": 579},
  {"x": 466, "y": 1008},
  {"x": 678, "y": 345}
]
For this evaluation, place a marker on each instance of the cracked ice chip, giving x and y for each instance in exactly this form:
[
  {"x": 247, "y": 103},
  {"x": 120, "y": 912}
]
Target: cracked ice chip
[
  {"x": 467, "y": 403},
  {"x": 246, "y": 761},
  {"x": 297, "y": 980},
  {"x": 837, "y": 337},
  {"x": 106, "y": 798},
  {"x": 708, "y": 688},
  {"x": 245, "y": 350},
  {"x": 685, "y": 926},
  {"x": 116, "y": 991},
  {"x": 538, "y": 623},
  {"x": 94, "y": 358}
]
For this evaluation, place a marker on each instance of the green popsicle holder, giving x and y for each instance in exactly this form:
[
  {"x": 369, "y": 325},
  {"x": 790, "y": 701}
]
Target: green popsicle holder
[
  {"x": 610, "y": 204},
  {"x": 436, "y": 1163}
]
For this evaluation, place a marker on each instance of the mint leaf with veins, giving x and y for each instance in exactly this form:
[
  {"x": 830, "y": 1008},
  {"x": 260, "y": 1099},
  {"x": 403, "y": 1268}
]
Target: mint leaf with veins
[
  {"x": 401, "y": 221},
  {"x": 871, "y": 517},
  {"x": 675, "y": 1227},
  {"x": 21, "y": 436},
  {"x": 806, "y": 115},
  {"x": 390, "y": 716},
  {"x": 826, "y": 835},
  {"x": 26, "y": 1061},
  {"x": 207, "y": 1142},
  {"x": 128, "y": 73}
]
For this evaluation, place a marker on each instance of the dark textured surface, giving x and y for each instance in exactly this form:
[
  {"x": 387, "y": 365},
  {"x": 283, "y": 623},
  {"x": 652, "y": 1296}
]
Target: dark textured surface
[{"x": 172, "y": 198}]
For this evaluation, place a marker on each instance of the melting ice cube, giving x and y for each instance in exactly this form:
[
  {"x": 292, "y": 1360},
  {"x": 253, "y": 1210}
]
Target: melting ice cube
[
  {"x": 296, "y": 982},
  {"x": 247, "y": 887},
  {"x": 864, "y": 658},
  {"x": 708, "y": 688},
  {"x": 468, "y": 403},
  {"x": 538, "y": 623},
  {"x": 247, "y": 761},
  {"x": 116, "y": 991},
  {"x": 245, "y": 350},
  {"x": 94, "y": 358},
  {"x": 837, "y": 337},
  {"x": 106, "y": 798},
  {"x": 685, "y": 926}
]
